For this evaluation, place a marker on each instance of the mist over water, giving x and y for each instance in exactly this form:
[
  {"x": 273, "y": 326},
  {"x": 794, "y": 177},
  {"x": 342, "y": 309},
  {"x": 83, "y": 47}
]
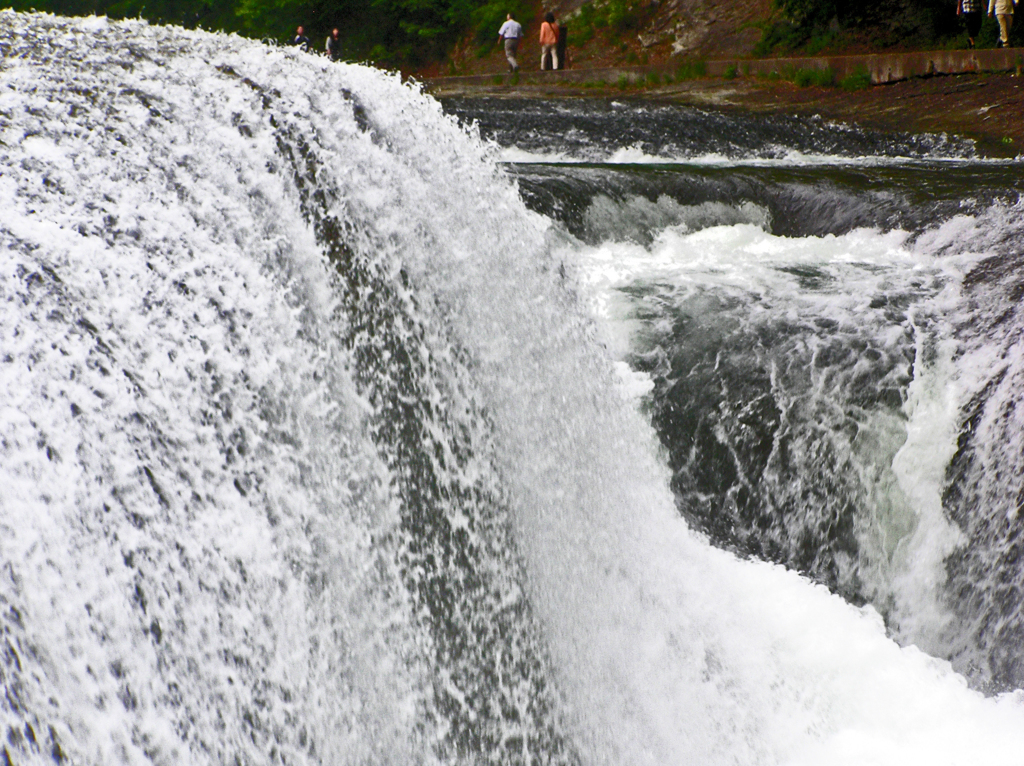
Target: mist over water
[{"x": 327, "y": 436}]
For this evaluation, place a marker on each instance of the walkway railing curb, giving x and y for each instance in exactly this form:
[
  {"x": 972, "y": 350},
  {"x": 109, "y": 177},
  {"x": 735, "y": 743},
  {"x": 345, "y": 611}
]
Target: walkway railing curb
[{"x": 880, "y": 67}]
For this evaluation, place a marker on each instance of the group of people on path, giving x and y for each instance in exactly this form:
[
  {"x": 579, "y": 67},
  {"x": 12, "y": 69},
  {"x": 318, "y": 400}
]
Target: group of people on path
[
  {"x": 332, "y": 48},
  {"x": 973, "y": 13},
  {"x": 511, "y": 32}
]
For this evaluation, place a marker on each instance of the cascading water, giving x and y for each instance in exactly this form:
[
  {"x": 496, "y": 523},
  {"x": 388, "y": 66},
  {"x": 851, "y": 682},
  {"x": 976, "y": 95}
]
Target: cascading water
[
  {"x": 820, "y": 336},
  {"x": 318, "y": 446}
]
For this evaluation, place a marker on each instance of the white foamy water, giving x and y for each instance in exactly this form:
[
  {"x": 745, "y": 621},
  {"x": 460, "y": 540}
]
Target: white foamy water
[
  {"x": 201, "y": 554},
  {"x": 907, "y": 541},
  {"x": 780, "y": 157},
  {"x": 745, "y": 260},
  {"x": 196, "y": 565},
  {"x": 756, "y": 267}
]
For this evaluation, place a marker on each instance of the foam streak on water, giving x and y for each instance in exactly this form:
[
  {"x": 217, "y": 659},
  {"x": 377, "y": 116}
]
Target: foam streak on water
[{"x": 311, "y": 453}]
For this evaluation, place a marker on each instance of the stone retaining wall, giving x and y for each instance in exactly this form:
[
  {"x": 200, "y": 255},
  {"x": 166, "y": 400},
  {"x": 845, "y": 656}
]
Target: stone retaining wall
[{"x": 881, "y": 67}]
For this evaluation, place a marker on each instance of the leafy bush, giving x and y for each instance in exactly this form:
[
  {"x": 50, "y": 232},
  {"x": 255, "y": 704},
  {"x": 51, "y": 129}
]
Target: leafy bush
[
  {"x": 615, "y": 16},
  {"x": 208, "y": 15},
  {"x": 691, "y": 70},
  {"x": 824, "y": 78},
  {"x": 810, "y": 26},
  {"x": 488, "y": 17},
  {"x": 821, "y": 41},
  {"x": 804, "y": 77},
  {"x": 858, "y": 80},
  {"x": 781, "y": 36}
]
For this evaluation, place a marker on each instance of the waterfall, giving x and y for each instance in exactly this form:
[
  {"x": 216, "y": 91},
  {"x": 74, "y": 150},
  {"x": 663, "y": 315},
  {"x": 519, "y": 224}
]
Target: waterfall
[{"x": 315, "y": 450}]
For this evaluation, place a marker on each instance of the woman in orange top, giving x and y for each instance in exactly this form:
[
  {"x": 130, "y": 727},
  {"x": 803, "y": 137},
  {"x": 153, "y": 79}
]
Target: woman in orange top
[{"x": 549, "y": 40}]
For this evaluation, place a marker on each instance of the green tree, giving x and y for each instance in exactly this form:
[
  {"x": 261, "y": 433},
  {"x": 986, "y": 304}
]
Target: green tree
[
  {"x": 212, "y": 14},
  {"x": 388, "y": 31},
  {"x": 815, "y": 24}
]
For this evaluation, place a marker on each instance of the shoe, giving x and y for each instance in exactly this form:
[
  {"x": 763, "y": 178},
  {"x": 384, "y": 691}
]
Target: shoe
[{"x": 999, "y": 43}]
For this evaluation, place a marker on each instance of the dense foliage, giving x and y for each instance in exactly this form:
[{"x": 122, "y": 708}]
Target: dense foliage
[
  {"x": 814, "y": 25},
  {"x": 392, "y": 31},
  {"x": 211, "y": 15},
  {"x": 412, "y": 32},
  {"x": 615, "y": 16}
]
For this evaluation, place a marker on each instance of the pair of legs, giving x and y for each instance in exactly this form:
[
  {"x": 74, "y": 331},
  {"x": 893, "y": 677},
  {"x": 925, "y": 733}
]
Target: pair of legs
[
  {"x": 1005, "y": 22},
  {"x": 549, "y": 49},
  {"x": 510, "y": 53},
  {"x": 973, "y": 19}
]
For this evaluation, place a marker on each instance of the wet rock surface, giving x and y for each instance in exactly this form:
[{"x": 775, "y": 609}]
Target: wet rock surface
[{"x": 985, "y": 107}]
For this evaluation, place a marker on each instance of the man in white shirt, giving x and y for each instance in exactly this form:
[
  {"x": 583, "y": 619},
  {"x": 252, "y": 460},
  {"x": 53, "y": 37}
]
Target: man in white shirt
[{"x": 511, "y": 31}]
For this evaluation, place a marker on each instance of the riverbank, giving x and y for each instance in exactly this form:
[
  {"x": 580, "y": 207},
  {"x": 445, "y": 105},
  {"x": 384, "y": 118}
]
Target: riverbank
[{"x": 983, "y": 106}]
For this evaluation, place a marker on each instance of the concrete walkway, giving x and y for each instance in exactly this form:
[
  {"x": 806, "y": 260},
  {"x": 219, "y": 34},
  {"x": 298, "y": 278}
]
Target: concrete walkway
[{"x": 881, "y": 67}]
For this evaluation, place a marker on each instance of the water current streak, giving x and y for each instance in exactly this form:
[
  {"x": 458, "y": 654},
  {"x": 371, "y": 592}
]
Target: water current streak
[
  {"x": 456, "y": 556},
  {"x": 985, "y": 479}
]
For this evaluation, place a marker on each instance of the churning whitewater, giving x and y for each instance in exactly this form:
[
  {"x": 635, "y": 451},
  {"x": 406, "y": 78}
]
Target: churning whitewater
[{"x": 317, "y": 444}]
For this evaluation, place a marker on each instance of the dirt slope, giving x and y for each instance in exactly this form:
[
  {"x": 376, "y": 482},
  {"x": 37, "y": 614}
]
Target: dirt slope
[{"x": 680, "y": 28}]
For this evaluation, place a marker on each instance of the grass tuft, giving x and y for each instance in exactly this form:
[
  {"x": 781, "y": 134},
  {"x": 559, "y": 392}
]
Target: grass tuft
[
  {"x": 691, "y": 70},
  {"x": 858, "y": 80}
]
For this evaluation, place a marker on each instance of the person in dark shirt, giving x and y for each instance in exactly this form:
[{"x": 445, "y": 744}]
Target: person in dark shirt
[
  {"x": 333, "y": 46},
  {"x": 301, "y": 41},
  {"x": 974, "y": 13}
]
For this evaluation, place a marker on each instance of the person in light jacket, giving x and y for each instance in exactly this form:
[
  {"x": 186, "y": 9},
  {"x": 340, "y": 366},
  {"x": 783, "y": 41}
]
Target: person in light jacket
[
  {"x": 549, "y": 41},
  {"x": 1002, "y": 10}
]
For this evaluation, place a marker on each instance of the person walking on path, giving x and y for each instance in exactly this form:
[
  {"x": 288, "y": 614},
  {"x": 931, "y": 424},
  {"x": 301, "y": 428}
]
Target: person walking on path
[
  {"x": 974, "y": 13},
  {"x": 301, "y": 41},
  {"x": 549, "y": 41},
  {"x": 333, "y": 46},
  {"x": 1002, "y": 10},
  {"x": 511, "y": 31}
]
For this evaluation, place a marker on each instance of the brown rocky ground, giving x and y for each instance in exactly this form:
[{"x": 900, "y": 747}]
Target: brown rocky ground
[{"x": 988, "y": 108}]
